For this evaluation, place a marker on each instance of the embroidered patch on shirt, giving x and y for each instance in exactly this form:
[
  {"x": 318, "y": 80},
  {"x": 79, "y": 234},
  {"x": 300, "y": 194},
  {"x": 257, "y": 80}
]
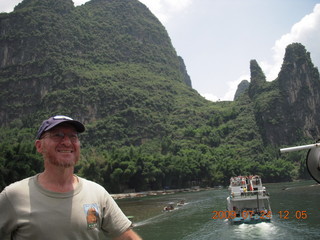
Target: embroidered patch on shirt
[{"x": 92, "y": 215}]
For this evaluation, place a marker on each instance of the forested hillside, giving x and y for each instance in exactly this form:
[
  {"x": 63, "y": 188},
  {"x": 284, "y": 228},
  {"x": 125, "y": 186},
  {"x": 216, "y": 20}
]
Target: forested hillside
[{"x": 111, "y": 64}]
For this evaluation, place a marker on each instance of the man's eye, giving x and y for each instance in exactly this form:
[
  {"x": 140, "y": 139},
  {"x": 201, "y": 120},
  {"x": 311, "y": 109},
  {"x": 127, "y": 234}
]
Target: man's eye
[
  {"x": 73, "y": 136},
  {"x": 58, "y": 135}
]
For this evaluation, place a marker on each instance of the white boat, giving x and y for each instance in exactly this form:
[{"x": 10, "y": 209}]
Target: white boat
[
  {"x": 181, "y": 203},
  {"x": 248, "y": 201},
  {"x": 169, "y": 207}
]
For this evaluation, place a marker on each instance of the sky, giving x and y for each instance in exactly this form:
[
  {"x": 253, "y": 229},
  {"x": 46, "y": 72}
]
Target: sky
[{"x": 218, "y": 38}]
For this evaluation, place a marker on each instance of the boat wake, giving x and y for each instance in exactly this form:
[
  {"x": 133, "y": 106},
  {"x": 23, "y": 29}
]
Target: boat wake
[
  {"x": 163, "y": 216},
  {"x": 156, "y": 219},
  {"x": 152, "y": 220},
  {"x": 261, "y": 230}
]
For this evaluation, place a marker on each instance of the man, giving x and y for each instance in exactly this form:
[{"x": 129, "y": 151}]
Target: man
[{"x": 56, "y": 204}]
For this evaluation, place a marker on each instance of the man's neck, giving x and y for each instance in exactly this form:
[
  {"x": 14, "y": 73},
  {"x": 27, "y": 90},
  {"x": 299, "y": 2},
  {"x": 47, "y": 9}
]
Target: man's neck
[{"x": 59, "y": 180}]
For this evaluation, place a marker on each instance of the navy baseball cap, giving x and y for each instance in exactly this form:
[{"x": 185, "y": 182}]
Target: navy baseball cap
[{"x": 56, "y": 120}]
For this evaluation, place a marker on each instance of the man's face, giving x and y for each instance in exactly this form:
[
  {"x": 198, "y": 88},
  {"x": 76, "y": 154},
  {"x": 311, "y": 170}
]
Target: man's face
[{"x": 60, "y": 146}]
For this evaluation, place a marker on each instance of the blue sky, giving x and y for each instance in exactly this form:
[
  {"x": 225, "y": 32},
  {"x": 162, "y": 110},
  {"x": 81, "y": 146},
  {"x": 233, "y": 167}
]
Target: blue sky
[{"x": 218, "y": 38}]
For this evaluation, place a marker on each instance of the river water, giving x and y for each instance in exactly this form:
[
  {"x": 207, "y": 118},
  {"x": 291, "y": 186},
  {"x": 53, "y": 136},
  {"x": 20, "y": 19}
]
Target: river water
[{"x": 295, "y": 207}]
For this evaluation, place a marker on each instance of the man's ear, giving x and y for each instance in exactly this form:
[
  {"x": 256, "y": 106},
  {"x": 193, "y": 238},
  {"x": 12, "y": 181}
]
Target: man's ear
[{"x": 38, "y": 145}]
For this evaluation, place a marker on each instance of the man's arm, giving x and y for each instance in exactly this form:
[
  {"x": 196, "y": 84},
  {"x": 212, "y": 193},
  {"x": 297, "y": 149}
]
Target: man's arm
[
  {"x": 128, "y": 235},
  {"x": 7, "y": 219}
]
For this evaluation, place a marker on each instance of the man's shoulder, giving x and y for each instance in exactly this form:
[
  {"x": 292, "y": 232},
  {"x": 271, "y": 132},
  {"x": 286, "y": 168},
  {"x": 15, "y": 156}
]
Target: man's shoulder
[
  {"x": 21, "y": 183},
  {"x": 18, "y": 187},
  {"x": 94, "y": 190},
  {"x": 91, "y": 184}
]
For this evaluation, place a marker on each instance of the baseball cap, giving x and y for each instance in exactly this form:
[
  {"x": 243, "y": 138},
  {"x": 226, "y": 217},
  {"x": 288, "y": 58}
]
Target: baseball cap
[{"x": 56, "y": 120}]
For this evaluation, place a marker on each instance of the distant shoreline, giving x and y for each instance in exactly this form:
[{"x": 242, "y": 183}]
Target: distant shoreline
[{"x": 157, "y": 193}]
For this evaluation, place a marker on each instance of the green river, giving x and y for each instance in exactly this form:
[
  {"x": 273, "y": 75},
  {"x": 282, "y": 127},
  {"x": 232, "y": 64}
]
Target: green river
[{"x": 295, "y": 208}]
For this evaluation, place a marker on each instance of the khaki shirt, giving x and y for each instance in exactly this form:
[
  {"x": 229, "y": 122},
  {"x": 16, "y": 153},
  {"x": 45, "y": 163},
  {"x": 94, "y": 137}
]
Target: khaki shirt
[{"x": 28, "y": 211}]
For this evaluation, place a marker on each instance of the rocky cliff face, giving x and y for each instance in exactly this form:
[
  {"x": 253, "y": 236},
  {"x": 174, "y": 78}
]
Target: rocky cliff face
[
  {"x": 185, "y": 76},
  {"x": 299, "y": 84},
  {"x": 287, "y": 109},
  {"x": 52, "y": 52}
]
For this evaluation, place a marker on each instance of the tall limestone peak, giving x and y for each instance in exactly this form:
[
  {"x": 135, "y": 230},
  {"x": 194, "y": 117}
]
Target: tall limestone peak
[
  {"x": 100, "y": 61},
  {"x": 257, "y": 75},
  {"x": 242, "y": 87},
  {"x": 258, "y": 78},
  {"x": 298, "y": 78},
  {"x": 286, "y": 109},
  {"x": 299, "y": 83}
]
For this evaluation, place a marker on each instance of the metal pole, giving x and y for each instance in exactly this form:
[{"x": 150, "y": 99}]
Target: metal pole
[{"x": 297, "y": 148}]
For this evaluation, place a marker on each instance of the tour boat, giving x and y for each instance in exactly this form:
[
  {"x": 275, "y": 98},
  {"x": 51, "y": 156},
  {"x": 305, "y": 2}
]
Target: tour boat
[{"x": 248, "y": 201}]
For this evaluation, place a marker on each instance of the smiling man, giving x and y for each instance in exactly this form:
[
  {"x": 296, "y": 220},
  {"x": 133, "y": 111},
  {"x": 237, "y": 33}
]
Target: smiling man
[{"x": 57, "y": 204}]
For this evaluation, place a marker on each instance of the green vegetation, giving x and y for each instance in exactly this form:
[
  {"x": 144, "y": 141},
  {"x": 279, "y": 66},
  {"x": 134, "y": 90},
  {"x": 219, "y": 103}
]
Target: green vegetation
[{"x": 205, "y": 148}]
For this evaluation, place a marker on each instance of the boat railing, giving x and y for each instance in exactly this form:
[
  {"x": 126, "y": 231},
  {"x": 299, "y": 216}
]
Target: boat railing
[{"x": 240, "y": 194}]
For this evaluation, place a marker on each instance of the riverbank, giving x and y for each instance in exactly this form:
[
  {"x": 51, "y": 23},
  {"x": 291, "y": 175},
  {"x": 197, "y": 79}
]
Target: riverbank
[{"x": 156, "y": 193}]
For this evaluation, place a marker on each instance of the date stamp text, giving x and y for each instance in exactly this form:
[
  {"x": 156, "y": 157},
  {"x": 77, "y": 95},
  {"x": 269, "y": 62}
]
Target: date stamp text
[{"x": 299, "y": 214}]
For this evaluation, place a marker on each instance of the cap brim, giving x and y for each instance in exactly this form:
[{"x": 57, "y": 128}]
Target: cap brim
[{"x": 76, "y": 124}]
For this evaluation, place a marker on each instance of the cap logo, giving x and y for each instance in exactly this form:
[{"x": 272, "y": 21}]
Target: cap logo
[{"x": 61, "y": 117}]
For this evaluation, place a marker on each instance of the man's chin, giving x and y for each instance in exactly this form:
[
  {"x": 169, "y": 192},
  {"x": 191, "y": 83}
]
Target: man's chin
[{"x": 64, "y": 164}]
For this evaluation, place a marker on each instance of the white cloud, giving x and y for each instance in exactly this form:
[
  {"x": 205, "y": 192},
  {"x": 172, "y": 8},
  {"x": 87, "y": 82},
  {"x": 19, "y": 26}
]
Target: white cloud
[
  {"x": 164, "y": 9},
  {"x": 210, "y": 97},
  {"x": 229, "y": 96},
  {"x": 79, "y": 2},
  {"x": 306, "y": 32},
  {"x": 7, "y": 6}
]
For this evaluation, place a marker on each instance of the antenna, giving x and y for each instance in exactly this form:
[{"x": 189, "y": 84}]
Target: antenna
[{"x": 312, "y": 160}]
